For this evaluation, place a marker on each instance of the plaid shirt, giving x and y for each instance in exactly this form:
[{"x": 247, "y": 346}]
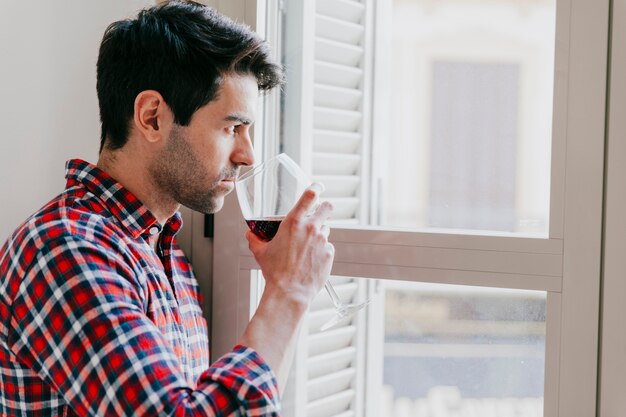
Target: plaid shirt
[{"x": 94, "y": 322}]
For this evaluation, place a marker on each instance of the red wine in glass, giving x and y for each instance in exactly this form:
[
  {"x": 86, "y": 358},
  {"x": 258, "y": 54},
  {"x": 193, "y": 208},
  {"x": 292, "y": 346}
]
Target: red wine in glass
[{"x": 265, "y": 228}]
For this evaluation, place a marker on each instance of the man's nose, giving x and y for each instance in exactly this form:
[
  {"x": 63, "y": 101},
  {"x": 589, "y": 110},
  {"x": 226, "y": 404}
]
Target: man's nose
[{"x": 244, "y": 153}]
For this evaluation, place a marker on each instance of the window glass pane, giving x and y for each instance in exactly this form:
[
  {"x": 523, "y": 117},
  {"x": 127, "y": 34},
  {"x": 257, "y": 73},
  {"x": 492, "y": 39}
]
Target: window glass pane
[
  {"x": 470, "y": 102},
  {"x": 462, "y": 351}
]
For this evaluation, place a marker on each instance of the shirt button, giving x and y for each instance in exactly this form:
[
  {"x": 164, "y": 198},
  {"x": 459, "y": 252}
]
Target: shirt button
[{"x": 153, "y": 230}]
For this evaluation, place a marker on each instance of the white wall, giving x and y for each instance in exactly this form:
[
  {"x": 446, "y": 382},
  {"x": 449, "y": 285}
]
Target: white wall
[{"x": 48, "y": 102}]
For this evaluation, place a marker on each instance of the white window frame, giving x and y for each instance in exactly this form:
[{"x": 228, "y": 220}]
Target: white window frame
[
  {"x": 612, "y": 377},
  {"x": 566, "y": 265}
]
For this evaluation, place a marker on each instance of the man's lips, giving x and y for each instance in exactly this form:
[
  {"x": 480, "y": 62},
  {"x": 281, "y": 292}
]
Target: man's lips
[{"x": 229, "y": 183}]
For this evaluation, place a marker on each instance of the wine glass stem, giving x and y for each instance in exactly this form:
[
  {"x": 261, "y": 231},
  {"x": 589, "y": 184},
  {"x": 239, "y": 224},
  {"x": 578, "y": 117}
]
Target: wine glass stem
[{"x": 333, "y": 295}]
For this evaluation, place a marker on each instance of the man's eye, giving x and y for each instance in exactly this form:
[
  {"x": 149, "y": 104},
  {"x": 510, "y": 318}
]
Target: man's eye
[{"x": 233, "y": 129}]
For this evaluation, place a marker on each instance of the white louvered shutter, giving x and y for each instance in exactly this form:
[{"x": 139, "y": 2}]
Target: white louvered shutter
[
  {"x": 327, "y": 112},
  {"x": 339, "y": 143}
]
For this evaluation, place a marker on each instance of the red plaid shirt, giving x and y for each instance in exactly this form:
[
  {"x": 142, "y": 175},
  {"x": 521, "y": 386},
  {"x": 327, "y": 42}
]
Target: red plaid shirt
[{"x": 94, "y": 323}]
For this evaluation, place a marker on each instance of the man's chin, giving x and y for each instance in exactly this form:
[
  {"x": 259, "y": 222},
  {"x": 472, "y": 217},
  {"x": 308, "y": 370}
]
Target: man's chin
[
  {"x": 218, "y": 203},
  {"x": 209, "y": 207}
]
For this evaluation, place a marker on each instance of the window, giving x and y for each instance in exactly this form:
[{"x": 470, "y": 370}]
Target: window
[{"x": 538, "y": 246}]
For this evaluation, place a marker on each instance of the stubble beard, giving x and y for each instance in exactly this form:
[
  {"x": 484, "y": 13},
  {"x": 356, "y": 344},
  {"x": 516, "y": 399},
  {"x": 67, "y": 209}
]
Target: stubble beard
[{"x": 179, "y": 173}]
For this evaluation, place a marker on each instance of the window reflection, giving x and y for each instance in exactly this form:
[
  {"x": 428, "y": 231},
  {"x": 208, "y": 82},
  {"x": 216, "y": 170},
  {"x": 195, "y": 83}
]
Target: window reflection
[
  {"x": 455, "y": 351},
  {"x": 470, "y": 108}
]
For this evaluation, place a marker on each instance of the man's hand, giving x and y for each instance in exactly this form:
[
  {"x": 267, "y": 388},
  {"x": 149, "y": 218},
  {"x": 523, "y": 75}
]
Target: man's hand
[{"x": 295, "y": 264}]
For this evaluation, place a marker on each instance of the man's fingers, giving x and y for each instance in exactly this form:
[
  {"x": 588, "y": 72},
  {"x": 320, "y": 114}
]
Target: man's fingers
[
  {"x": 322, "y": 213},
  {"x": 307, "y": 200}
]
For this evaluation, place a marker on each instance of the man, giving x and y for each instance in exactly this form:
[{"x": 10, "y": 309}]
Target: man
[{"x": 99, "y": 310}]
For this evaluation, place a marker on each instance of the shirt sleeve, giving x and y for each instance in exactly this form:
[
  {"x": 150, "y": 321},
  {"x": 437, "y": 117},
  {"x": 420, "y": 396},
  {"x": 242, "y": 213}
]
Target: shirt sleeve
[{"x": 78, "y": 321}]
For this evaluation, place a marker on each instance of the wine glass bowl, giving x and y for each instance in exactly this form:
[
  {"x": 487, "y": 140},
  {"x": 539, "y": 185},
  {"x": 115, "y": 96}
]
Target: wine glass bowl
[{"x": 266, "y": 194}]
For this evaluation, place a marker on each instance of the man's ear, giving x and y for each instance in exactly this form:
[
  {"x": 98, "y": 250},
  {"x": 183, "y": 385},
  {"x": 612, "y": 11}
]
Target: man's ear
[{"x": 152, "y": 116}]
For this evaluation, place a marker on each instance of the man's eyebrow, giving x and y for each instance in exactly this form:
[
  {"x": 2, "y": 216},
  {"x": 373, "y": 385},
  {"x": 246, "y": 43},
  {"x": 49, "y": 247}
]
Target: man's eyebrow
[{"x": 238, "y": 118}]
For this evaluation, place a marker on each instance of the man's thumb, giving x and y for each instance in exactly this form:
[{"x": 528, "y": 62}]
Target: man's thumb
[{"x": 254, "y": 242}]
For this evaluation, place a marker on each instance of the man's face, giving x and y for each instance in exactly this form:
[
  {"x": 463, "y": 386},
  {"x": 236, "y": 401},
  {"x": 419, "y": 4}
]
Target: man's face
[{"x": 199, "y": 163}]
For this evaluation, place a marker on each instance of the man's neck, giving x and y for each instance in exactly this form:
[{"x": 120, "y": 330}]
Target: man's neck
[{"x": 134, "y": 175}]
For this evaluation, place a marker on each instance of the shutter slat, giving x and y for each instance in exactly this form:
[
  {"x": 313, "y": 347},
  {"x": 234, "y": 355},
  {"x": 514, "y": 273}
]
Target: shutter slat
[
  {"x": 335, "y": 142},
  {"x": 330, "y": 384},
  {"x": 330, "y": 406},
  {"x": 335, "y": 164},
  {"x": 343, "y": 222},
  {"x": 337, "y": 97},
  {"x": 331, "y": 362},
  {"x": 318, "y": 318},
  {"x": 344, "y": 291},
  {"x": 344, "y": 207},
  {"x": 340, "y": 280},
  {"x": 350, "y": 10},
  {"x": 338, "y": 29},
  {"x": 329, "y": 340},
  {"x": 338, "y": 185},
  {"x": 339, "y": 75},
  {"x": 348, "y": 413},
  {"x": 327, "y": 50},
  {"x": 335, "y": 119}
]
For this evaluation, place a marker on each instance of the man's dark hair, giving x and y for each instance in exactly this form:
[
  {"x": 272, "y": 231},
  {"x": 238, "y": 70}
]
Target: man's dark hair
[{"x": 180, "y": 49}]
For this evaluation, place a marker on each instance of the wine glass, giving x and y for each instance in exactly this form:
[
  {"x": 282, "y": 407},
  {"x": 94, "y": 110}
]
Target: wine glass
[{"x": 266, "y": 193}]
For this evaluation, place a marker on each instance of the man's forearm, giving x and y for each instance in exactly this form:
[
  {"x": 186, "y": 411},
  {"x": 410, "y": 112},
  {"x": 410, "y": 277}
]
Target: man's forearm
[{"x": 273, "y": 332}]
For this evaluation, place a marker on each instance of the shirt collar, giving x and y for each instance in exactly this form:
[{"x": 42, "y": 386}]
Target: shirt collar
[{"x": 123, "y": 204}]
